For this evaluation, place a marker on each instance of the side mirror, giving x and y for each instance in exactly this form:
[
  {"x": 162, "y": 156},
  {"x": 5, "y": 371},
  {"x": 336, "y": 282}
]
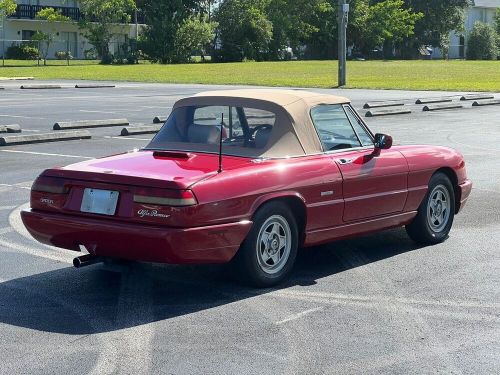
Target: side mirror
[{"x": 383, "y": 141}]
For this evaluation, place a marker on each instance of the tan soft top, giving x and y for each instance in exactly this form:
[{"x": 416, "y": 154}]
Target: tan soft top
[
  {"x": 278, "y": 96},
  {"x": 293, "y": 133}
]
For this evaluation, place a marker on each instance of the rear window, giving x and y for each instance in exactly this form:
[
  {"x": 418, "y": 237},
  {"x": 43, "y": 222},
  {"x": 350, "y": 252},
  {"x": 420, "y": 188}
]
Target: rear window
[{"x": 201, "y": 128}]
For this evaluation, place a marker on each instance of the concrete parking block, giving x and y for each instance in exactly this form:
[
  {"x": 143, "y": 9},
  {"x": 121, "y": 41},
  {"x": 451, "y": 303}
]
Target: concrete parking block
[
  {"x": 486, "y": 102},
  {"x": 440, "y": 107},
  {"x": 93, "y": 86},
  {"x": 40, "y": 87},
  {"x": 42, "y": 138},
  {"x": 477, "y": 97},
  {"x": 159, "y": 120},
  {"x": 144, "y": 129},
  {"x": 387, "y": 112},
  {"x": 90, "y": 124},
  {"x": 391, "y": 103},
  {"x": 14, "y": 128},
  {"x": 433, "y": 100}
]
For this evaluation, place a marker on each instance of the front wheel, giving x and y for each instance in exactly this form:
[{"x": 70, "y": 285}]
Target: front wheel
[
  {"x": 435, "y": 214},
  {"x": 268, "y": 253}
]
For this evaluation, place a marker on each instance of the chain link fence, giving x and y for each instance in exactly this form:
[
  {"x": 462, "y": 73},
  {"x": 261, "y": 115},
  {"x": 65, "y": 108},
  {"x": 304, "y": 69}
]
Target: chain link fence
[{"x": 16, "y": 53}]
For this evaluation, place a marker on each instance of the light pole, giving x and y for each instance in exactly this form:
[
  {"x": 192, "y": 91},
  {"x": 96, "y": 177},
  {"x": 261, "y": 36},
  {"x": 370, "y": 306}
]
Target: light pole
[{"x": 343, "y": 21}]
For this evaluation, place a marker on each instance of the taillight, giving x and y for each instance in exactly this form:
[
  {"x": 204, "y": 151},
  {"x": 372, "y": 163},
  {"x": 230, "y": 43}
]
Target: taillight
[
  {"x": 50, "y": 185},
  {"x": 165, "y": 197}
]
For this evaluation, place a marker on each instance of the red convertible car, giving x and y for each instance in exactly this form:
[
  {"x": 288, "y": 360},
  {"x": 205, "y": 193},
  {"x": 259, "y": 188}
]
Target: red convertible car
[{"x": 248, "y": 177}]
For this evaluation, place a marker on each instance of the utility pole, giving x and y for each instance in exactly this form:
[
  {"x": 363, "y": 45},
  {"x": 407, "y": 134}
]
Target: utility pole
[{"x": 342, "y": 31}]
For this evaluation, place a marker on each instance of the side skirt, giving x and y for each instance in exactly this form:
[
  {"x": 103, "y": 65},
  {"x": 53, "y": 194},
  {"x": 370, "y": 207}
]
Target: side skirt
[{"x": 321, "y": 236}]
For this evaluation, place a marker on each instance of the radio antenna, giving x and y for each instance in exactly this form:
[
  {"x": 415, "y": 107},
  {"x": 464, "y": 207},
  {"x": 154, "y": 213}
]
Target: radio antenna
[{"x": 220, "y": 143}]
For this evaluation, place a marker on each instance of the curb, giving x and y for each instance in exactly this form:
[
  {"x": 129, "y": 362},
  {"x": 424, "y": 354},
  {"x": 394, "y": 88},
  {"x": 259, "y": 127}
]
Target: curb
[
  {"x": 439, "y": 107},
  {"x": 433, "y": 100},
  {"x": 40, "y": 87},
  {"x": 159, "y": 120},
  {"x": 14, "y": 128},
  {"x": 477, "y": 97},
  {"x": 90, "y": 124},
  {"x": 17, "y": 78},
  {"x": 389, "y": 103},
  {"x": 42, "y": 138},
  {"x": 486, "y": 102},
  {"x": 93, "y": 86},
  {"x": 145, "y": 129},
  {"x": 388, "y": 112}
]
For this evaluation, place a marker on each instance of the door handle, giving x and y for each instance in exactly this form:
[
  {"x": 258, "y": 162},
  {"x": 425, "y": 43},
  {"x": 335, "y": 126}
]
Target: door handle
[{"x": 344, "y": 161}]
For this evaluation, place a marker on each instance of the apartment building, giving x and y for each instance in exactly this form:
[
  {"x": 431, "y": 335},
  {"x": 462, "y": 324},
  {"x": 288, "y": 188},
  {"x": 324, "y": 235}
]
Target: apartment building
[
  {"x": 483, "y": 11},
  {"x": 22, "y": 25}
]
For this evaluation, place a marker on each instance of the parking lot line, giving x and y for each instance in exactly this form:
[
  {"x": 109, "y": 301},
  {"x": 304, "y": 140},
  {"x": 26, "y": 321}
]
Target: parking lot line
[
  {"x": 299, "y": 315},
  {"x": 106, "y": 112},
  {"x": 6, "y": 208},
  {"x": 129, "y": 138},
  {"x": 47, "y": 154},
  {"x": 25, "y": 117},
  {"x": 16, "y": 186},
  {"x": 5, "y": 230}
]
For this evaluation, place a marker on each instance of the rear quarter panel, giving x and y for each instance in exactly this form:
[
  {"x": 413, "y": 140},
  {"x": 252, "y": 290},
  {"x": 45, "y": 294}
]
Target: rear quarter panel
[{"x": 236, "y": 194}]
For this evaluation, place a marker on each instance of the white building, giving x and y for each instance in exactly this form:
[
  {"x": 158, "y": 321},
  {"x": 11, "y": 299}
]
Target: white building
[
  {"x": 483, "y": 11},
  {"x": 22, "y": 25}
]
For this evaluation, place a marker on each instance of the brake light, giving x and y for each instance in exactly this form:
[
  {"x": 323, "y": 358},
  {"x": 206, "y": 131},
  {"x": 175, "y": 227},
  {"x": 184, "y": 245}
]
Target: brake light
[
  {"x": 165, "y": 197},
  {"x": 50, "y": 185}
]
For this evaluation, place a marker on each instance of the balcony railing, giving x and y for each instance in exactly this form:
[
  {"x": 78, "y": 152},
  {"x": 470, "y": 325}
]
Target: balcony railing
[
  {"x": 24, "y": 11},
  {"x": 30, "y": 11}
]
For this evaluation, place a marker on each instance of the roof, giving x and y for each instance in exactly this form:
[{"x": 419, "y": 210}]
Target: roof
[
  {"x": 278, "y": 96},
  {"x": 293, "y": 132},
  {"x": 487, "y": 3}
]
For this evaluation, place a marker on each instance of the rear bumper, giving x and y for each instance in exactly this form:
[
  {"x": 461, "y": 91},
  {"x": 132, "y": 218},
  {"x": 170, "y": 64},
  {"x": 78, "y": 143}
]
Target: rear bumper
[
  {"x": 465, "y": 190},
  {"x": 212, "y": 244}
]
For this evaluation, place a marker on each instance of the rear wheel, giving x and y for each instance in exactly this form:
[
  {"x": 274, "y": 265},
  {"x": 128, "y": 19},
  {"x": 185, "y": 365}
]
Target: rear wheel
[
  {"x": 268, "y": 253},
  {"x": 435, "y": 214}
]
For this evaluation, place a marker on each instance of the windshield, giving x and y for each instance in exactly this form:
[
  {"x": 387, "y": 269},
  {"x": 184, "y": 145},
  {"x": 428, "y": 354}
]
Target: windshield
[{"x": 244, "y": 131}]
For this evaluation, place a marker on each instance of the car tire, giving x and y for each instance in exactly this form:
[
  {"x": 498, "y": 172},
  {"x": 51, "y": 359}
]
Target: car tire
[
  {"x": 268, "y": 253},
  {"x": 435, "y": 214}
]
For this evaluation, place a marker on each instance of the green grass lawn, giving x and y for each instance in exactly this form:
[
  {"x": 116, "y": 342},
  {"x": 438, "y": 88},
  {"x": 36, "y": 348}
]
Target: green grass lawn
[{"x": 414, "y": 75}]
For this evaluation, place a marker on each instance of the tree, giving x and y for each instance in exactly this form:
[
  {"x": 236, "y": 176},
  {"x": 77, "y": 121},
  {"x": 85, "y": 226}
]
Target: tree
[
  {"x": 194, "y": 34},
  {"x": 497, "y": 24},
  {"x": 482, "y": 42},
  {"x": 244, "y": 30},
  {"x": 102, "y": 20},
  {"x": 440, "y": 18},
  {"x": 375, "y": 24},
  {"x": 164, "y": 20},
  {"x": 7, "y": 7},
  {"x": 45, "y": 39},
  {"x": 301, "y": 22}
]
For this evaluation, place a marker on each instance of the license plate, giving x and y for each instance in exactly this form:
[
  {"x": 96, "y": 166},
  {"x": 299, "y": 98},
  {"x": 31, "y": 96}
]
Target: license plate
[{"x": 101, "y": 202}]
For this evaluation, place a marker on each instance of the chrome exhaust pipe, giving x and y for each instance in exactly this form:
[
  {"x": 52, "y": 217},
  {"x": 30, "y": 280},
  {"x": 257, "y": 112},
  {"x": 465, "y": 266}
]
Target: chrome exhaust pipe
[{"x": 86, "y": 260}]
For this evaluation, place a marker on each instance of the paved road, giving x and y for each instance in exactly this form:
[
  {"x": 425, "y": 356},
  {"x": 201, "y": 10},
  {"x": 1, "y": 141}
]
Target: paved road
[{"x": 377, "y": 304}]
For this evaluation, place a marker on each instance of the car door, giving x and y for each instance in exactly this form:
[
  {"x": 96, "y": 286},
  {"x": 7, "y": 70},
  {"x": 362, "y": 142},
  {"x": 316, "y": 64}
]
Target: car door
[{"x": 373, "y": 184}]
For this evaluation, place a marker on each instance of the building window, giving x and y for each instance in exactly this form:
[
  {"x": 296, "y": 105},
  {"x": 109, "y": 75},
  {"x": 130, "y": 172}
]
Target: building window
[{"x": 27, "y": 34}]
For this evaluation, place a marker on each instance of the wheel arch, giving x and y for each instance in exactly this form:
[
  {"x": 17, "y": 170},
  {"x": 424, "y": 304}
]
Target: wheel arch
[
  {"x": 294, "y": 201},
  {"x": 450, "y": 173}
]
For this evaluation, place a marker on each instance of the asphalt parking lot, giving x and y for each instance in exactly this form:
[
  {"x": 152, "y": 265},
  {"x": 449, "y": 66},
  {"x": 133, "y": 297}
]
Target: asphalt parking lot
[{"x": 378, "y": 304}]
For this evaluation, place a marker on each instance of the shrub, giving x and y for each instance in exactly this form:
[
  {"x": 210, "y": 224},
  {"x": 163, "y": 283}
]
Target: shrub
[
  {"x": 23, "y": 52},
  {"x": 482, "y": 42},
  {"x": 63, "y": 55}
]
